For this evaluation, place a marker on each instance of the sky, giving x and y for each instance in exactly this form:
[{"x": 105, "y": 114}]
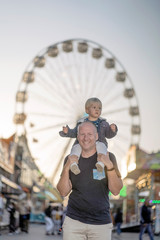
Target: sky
[{"x": 129, "y": 29}]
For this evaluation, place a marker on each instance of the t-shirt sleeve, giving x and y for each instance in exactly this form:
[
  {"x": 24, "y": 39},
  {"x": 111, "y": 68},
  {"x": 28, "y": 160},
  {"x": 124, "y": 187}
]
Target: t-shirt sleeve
[
  {"x": 114, "y": 161},
  {"x": 65, "y": 160}
]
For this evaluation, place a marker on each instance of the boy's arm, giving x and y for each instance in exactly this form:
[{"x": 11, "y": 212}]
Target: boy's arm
[
  {"x": 111, "y": 130},
  {"x": 72, "y": 133}
]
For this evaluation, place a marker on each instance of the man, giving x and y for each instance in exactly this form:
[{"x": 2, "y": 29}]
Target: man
[
  {"x": 88, "y": 212},
  {"x": 1, "y": 206},
  {"x": 146, "y": 220},
  {"x": 48, "y": 220}
]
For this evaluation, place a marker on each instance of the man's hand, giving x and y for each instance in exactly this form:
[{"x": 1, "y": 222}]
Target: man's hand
[
  {"x": 71, "y": 159},
  {"x": 65, "y": 129},
  {"x": 113, "y": 127},
  {"x": 105, "y": 159},
  {"x": 115, "y": 183}
]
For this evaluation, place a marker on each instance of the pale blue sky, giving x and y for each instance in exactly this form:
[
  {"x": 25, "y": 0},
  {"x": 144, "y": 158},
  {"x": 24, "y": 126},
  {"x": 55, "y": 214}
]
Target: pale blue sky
[{"x": 130, "y": 29}]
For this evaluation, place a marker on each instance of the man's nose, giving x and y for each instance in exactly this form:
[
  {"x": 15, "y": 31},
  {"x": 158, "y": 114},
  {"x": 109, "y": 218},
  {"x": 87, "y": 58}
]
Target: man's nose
[{"x": 86, "y": 137}]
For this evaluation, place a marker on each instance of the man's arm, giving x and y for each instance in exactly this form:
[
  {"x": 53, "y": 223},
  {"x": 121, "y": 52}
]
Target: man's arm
[
  {"x": 115, "y": 183},
  {"x": 64, "y": 185}
]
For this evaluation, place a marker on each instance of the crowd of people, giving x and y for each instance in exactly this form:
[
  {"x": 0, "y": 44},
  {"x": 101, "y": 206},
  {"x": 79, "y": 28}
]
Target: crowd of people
[
  {"x": 18, "y": 214},
  {"x": 54, "y": 217}
]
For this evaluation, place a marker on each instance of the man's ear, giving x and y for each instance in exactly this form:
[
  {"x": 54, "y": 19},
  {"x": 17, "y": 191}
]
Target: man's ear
[{"x": 96, "y": 136}]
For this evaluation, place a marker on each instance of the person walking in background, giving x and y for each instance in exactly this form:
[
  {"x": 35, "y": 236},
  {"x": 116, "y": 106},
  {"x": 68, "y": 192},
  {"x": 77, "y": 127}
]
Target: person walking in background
[
  {"x": 145, "y": 220},
  {"x": 12, "y": 221},
  {"x": 1, "y": 206},
  {"x": 48, "y": 220},
  {"x": 24, "y": 210},
  {"x": 118, "y": 221},
  {"x": 1, "y": 209},
  {"x": 88, "y": 214}
]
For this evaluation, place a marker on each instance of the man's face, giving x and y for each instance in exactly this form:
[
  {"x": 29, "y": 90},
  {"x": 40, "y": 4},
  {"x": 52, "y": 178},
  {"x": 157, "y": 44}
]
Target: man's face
[
  {"x": 94, "y": 110},
  {"x": 87, "y": 136},
  {"x": 147, "y": 202}
]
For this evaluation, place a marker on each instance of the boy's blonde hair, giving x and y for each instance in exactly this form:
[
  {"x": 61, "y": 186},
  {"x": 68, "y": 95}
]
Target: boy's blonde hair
[{"x": 90, "y": 101}]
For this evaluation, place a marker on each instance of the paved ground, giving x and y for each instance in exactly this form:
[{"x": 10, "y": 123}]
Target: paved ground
[{"x": 37, "y": 232}]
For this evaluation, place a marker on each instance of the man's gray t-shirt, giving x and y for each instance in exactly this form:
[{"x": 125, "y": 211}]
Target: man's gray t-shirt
[{"x": 89, "y": 200}]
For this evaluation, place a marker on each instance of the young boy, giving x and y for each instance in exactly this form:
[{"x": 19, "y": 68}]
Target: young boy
[{"x": 93, "y": 108}]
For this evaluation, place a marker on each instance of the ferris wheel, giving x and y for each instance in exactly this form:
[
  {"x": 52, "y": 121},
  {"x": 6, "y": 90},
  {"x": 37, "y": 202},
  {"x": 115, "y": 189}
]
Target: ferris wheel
[{"x": 53, "y": 92}]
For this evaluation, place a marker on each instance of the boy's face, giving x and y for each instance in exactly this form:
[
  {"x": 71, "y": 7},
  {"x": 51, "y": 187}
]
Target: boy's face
[{"x": 94, "y": 110}]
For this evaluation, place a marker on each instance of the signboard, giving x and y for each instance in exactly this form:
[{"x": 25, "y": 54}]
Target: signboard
[
  {"x": 147, "y": 161},
  {"x": 7, "y": 154},
  {"x": 144, "y": 181}
]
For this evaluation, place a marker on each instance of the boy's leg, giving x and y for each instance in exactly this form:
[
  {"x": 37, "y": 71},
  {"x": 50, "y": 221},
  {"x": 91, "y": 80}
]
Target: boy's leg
[
  {"x": 75, "y": 151},
  {"x": 101, "y": 149}
]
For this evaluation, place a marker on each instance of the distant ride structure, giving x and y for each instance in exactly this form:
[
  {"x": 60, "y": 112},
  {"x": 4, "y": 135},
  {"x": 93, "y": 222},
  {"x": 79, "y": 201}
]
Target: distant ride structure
[{"x": 53, "y": 91}]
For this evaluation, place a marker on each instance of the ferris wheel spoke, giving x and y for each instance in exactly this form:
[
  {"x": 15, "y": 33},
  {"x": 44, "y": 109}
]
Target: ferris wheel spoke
[
  {"x": 42, "y": 99},
  {"x": 126, "y": 124},
  {"x": 112, "y": 94},
  {"x": 59, "y": 80},
  {"x": 46, "y": 85},
  {"x": 113, "y": 99},
  {"x": 123, "y": 137},
  {"x": 45, "y": 144},
  {"x": 72, "y": 92},
  {"x": 88, "y": 69},
  {"x": 60, "y": 85},
  {"x": 109, "y": 84},
  {"x": 119, "y": 150},
  {"x": 56, "y": 76},
  {"x": 116, "y": 111},
  {"x": 79, "y": 78},
  {"x": 63, "y": 154},
  {"x": 66, "y": 62},
  {"x": 47, "y": 128},
  {"x": 91, "y": 78},
  {"x": 95, "y": 66},
  {"x": 49, "y": 86},
  {"x": 51, "y": 92},
  {"x": 100, "y": 82},
  {"x": 44, "y": 114}
]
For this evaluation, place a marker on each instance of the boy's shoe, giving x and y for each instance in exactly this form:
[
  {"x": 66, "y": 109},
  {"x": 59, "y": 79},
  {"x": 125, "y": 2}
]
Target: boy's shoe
[
  {"x": 75, "y": 169},
  {"x": 100, "y": 166}
]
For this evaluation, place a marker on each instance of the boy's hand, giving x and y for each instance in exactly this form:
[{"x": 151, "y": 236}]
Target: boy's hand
[
  {"x": 113, "y": 127},
  {"x": 65, "y": 129}
]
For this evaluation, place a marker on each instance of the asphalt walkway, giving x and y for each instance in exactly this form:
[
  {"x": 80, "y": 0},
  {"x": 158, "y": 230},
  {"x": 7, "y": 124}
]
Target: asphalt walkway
[{"x": 37, "y": 232}]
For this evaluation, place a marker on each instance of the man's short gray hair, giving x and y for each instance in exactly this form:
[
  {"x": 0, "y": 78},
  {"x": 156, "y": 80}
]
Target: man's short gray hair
[{"x": 87, "y": 122}]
